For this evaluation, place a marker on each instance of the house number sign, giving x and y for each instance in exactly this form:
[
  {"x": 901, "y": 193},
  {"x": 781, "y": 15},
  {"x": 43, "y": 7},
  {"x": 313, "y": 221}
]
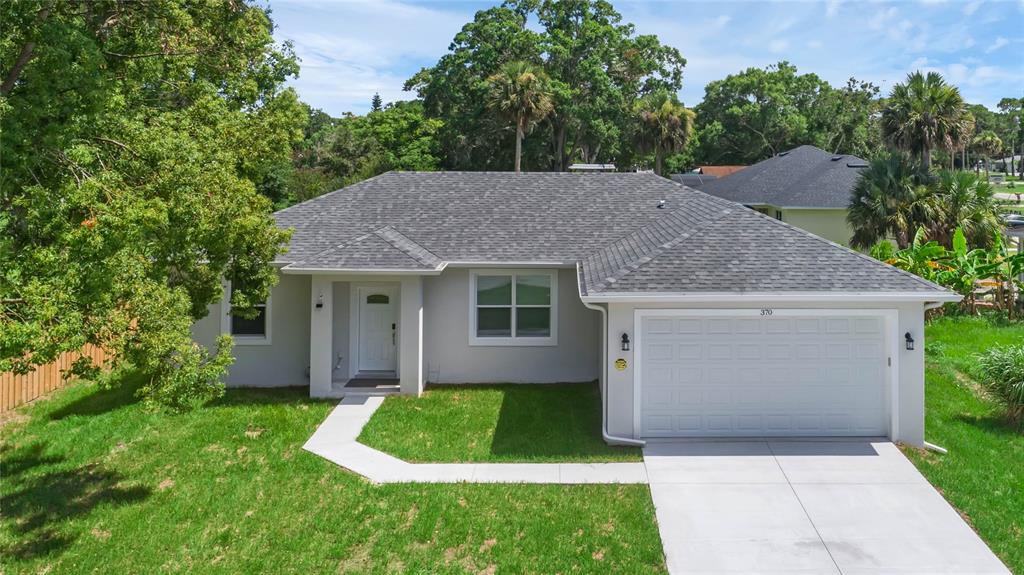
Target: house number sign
[{"x": 620, "y": 364}]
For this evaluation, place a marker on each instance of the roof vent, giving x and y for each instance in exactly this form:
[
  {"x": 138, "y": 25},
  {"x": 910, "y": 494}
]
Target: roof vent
[
  {"x": 784, "y": 153},
  {"x": 856, "y": 164},
  {"x": 661, "y": 204},
  {"x": 836, "y": 158}
]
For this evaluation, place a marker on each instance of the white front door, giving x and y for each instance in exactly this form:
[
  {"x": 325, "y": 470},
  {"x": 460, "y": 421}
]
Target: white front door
[
  {"x": 745, "y": 374},
  {"x": 378, "y": 328}
]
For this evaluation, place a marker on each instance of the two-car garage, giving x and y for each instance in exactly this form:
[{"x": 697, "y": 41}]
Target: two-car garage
[{"x": 764, "y": 372}]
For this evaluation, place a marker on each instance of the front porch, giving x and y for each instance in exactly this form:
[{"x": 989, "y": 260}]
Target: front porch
[
  {"x": 366, "y": 335},
  {"x": 367, "y": 383}
]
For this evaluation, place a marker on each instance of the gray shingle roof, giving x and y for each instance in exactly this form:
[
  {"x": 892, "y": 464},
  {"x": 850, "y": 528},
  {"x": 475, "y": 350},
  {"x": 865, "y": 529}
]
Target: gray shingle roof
[
  {"x": 483, "y": 216},
  {"x": 738, "y": 250},
  {"x": 804, "y": 177},
  {"x": 608, "y": 223}
]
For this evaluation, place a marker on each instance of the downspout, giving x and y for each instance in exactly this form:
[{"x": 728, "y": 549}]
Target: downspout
[
  {"x": 932, "y": 446},
  {"x": 608, "y": 438}
]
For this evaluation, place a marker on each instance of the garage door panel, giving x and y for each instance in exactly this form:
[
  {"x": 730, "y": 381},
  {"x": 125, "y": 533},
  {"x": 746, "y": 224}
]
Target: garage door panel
[{"x": 778, "y": 376}]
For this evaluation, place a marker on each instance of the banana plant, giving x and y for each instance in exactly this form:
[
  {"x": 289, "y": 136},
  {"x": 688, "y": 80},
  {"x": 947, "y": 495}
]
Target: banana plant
[
  {"x": 922, "y": 258},
  {"x": 1006, "y": 271},
  {"x": 962, "y": 268}
]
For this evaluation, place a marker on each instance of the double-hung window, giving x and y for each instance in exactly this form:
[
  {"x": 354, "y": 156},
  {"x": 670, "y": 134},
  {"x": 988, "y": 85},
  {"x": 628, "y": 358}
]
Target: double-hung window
[
  {"x": 513, "y": 307},
  {"x": 247, "y": 331}
]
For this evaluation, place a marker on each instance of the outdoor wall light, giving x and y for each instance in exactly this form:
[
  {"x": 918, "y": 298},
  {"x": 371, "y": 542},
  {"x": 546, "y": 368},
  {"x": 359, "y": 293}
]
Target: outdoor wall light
[
  {"x": 625, "y": 342},
  {"x": 910, "y": 341},
  {"x": 320, "y": 301}
]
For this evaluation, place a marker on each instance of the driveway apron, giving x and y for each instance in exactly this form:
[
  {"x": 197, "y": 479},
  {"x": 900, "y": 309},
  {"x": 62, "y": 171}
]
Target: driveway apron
[{"x": 788, "y": 506}]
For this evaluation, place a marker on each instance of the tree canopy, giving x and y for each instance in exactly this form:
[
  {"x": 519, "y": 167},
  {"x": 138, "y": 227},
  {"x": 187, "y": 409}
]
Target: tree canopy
[
  {"x": 598, "y": 67},
  {"x": 757, "y": 113},
  {"x": 133, "y": 136}
]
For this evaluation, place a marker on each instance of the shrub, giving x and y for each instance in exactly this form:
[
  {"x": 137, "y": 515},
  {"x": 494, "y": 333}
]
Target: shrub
[
  {"x": 883, "y": 250},
  {"x": 1002, "y": 373}
]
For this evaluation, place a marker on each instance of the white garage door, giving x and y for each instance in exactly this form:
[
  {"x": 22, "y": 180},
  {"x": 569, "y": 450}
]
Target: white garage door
[{"x": 745, "y": 374}]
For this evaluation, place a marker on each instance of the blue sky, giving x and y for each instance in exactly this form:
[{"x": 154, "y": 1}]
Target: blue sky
[{"x": 351, "y": 49}]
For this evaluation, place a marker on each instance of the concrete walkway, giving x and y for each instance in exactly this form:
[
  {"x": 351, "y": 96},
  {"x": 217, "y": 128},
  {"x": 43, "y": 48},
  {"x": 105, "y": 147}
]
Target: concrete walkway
[
  {"x": 335, "y": 440},
  {"x": 849, "y": 507}
]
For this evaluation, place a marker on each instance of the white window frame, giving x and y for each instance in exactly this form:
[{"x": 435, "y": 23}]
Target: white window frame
[
  {"x": 225, "y": 320},
  {"x": 513, "y": 340}
]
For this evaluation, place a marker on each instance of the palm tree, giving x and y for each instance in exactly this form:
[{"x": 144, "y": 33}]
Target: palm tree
[
  {"x": 921, "y": 114},
  {"x": 962, "y": 200},
  {"x": 665, "y": 125},
  {"x": 890, "y": 200},
  {"x": 967, "y": 134},
  {"x": 988, "y": 144},
  {"x": 520, "y": 92}
]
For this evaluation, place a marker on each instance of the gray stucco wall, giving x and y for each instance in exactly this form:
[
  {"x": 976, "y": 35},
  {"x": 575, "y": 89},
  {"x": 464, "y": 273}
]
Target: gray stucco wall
[
  {"x": 910, "y": 363},
  {"x": 450, "y": 359},
  {"x": 283, "y": 362}
]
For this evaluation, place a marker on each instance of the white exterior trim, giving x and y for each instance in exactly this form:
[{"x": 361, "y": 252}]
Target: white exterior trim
[
  {"x": 522, "y": 264},
  {"x": 891, "y": 317},
  {"x": 360, "y": 271},
  {"x": 225, "y": 320},
  {"x": 780, "y": 297},
  {"x": 513, "y": 340}
]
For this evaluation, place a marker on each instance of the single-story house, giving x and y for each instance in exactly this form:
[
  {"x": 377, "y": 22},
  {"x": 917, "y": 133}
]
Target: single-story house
[
  {"x": 806, "y": 186},
  {"x": 699, "y": 317}
]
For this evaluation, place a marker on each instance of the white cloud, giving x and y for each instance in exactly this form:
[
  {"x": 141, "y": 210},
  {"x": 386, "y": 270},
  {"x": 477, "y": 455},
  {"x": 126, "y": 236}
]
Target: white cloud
[
  {"x": 778, "y": 46},
  {"x": 999, "y": 43},
  {"x": 971, "y": 7},
  {"x": 350, "y": 50},
  {"x": 832, "y": 8}
]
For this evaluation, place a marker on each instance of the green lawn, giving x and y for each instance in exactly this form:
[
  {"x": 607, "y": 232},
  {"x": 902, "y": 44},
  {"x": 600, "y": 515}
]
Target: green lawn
[
  {"x": 983, "y": 474},
  {"x": 495, "y": 423},
  {"x": 92, "y": 482}
]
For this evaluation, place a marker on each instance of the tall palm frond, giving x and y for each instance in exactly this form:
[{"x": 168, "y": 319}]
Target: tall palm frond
[
  {"x": 664, "y": 125},
  {"x": 888, "y": 201},
  {"x": 922, "y": 114},
  {"x": 521, "y": 93}
]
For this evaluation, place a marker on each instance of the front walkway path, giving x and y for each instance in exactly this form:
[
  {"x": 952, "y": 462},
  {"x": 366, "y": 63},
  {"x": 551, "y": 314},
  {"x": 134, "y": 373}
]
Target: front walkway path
[{"x": 335, "y": 440}]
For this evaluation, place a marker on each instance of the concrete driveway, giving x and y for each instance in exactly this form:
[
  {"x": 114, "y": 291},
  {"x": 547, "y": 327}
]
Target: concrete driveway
[{"x": 851, "y": 507}]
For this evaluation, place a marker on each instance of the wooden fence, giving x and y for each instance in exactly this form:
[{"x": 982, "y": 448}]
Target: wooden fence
[{"x": 18, "y": 390}]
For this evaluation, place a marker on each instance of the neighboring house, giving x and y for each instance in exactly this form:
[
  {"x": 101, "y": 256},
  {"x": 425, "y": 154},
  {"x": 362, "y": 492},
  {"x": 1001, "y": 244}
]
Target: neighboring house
[
  {"x": 699, "y": 317},
  {"x": 806, "y": 186}
]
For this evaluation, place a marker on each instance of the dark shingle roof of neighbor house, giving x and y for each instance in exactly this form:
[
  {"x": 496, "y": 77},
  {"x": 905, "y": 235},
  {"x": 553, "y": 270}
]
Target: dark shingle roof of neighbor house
[
  {"x": 692, "y": 179},
  {"x": 804, "y": 177},
  {"x": 610, "y": 224}
]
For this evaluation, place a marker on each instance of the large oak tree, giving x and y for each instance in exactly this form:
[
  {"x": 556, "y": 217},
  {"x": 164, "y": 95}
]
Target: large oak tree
[{"x": 133, "y": 134}]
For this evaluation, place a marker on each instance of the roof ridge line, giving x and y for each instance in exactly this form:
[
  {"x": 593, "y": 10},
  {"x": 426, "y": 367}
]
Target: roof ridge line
[
  {"x": 347, "y": 242},
  {"x": 405, "y": 249},
  {"x": 648, "y": 256}
]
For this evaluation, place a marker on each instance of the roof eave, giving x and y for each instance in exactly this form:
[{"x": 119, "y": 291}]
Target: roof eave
[
  {"x": 780, "y": 297},
  {"x": 363, "y": 271}
]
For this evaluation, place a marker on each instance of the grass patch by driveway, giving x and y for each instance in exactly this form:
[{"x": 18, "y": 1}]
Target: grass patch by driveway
[
  {"x": 983, "y": 474},
  {"x": 92, "y": 482},
  {"x": 495, "y": 423}
]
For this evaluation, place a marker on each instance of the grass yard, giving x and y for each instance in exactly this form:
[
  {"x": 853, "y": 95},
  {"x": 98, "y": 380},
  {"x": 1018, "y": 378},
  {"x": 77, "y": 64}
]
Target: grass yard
[
  {"x": 983, "y": 474},
  {"x": 495, "y": 423},
  {"x": 92, "y": 482}
]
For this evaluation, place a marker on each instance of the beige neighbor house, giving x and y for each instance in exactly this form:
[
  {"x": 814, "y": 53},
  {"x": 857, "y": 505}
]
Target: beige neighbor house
[
  {"x": 806, "y": 187},
  {"x": 699, "y": 317}
]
